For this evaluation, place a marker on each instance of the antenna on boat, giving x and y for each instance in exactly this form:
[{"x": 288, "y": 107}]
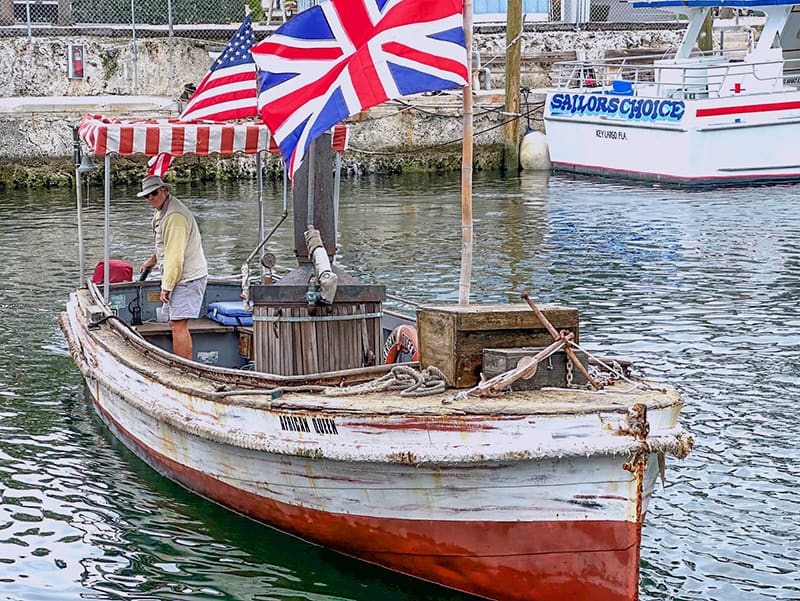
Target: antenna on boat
[{"x": 466, "y": 168}]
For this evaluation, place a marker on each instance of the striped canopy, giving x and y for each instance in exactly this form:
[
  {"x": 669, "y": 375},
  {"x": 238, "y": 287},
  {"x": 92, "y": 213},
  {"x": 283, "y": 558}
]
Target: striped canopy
[{"x": 151, "y": 137}]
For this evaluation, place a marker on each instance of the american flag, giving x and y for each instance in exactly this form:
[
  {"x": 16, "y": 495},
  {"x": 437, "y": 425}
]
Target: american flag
[
  {"x": 344, "y": 56},
  {"x": 159, "y": 164},
  {"x": 228, "y": 91}
]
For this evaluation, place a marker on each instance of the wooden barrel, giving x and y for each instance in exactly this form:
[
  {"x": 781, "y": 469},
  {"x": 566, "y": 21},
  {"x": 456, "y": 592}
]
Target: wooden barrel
[{"x": 292, "y": 337}]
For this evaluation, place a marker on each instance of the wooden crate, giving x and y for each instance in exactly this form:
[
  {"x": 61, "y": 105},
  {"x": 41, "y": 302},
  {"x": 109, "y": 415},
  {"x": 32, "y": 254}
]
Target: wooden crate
[
  {"x": 452, "y": 337},
  {"x": 551, "y": 372}
]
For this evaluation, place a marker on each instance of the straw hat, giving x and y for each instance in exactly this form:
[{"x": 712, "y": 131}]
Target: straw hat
[{"x": 150, "y": 184}]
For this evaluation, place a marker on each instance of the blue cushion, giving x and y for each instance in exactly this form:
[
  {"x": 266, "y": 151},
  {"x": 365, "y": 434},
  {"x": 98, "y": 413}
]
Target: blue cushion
[{"x": 230, "y": 313}]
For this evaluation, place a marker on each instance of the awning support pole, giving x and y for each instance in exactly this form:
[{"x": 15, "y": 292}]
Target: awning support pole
[
  {"x": 260, "y": 186},
  {"x": 76, "y": 158},
  {"x": 106, "y": 225}
]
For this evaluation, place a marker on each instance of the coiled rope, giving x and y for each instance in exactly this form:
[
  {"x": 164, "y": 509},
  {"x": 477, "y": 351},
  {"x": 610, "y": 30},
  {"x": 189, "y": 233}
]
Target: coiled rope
[{"x": 409, "y": 381}]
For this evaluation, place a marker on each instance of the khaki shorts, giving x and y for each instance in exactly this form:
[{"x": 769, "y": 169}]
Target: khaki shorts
[{"x": 185, "y": 301}]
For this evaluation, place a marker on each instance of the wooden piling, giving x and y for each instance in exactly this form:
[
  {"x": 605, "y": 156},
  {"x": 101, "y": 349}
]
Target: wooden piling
[{"x": 513, "y": 59}]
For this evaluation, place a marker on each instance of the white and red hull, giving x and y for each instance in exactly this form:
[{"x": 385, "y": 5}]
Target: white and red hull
[
  {"x": 503, "y": 501},
  {"x": 727, "y": 140}
]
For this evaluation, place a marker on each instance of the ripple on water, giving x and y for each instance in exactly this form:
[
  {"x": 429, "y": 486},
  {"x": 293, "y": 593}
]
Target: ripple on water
[{"x": 699, "y": 289}]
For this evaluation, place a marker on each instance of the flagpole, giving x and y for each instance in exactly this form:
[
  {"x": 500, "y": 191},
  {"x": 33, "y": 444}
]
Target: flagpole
[{"x": 466, "y": 167}]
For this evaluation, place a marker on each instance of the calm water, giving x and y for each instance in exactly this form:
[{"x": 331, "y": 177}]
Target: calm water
[{"x": 699, "y": 288}]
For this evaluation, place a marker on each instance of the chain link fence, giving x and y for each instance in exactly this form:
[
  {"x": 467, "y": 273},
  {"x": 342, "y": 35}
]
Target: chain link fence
[
  {"x": 184, "y": 18},
  {"x": 210, "y": 19}
]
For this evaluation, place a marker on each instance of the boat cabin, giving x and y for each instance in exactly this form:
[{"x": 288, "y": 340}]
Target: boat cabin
[{"x": 769, "y": 65}]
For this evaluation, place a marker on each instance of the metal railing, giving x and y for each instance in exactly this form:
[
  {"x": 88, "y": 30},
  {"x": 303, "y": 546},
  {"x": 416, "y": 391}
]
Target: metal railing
[{"x": 709, "y": 75}]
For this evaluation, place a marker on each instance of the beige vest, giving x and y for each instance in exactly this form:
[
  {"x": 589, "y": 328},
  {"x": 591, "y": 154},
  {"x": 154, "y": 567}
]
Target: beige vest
[{"x": 194, "y": 259}]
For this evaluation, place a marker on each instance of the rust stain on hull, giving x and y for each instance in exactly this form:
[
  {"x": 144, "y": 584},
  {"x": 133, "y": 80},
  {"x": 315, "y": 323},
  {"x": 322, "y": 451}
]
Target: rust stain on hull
[
  {"x": 509, "y": 560},
  {"x": 430, "y": 425}
]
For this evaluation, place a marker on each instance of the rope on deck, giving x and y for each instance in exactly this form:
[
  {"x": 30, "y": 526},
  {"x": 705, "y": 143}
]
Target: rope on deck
[{"x": 409, "y": 381}]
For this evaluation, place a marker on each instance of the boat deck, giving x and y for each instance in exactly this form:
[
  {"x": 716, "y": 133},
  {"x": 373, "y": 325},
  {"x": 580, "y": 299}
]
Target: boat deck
[
  {"x": 243, "y": 387},
  {"x": 616, "y": 398},
  {"x": 343, "y": 392}
]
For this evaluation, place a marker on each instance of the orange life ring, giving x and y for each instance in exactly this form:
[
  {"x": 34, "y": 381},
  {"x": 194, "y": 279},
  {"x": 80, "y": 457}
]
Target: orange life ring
[{"x": 403, "y": 339}]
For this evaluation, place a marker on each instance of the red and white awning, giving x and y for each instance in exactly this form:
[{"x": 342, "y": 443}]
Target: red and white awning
[{"x": 112, "y": 136}]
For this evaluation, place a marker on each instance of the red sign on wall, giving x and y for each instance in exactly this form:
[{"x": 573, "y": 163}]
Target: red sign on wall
[{"x": 77, "y": 60}]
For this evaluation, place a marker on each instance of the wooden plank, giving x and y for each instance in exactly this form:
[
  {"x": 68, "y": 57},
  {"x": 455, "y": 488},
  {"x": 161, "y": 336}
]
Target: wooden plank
[
  {"x": 261, "y": 352},
  {"x": 312, "y": 350},
  {"x": 292, "y": 348},
  {"x": 375, "y": 331},
  {"x": 343, "y": 342},
  {"x": 203, "y": 325},
  {"x": 325, "y": 344},
  {"x": 345, "y": 349},
  {"x": 363, "y": 337},
  {"x": 278, "y": 342},
  {"x": 281, "y": 359},
  {"x": 507, "y": 316},
  {"x": 437, "y": 339}
]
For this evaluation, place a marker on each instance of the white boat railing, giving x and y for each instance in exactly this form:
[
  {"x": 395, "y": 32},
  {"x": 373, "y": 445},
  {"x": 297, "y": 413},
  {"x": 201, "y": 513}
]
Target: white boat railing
[{"x": 702, "y": 76}]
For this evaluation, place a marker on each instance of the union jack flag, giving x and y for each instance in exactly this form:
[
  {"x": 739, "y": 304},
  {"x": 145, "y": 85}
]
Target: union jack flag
[{"x": 341, "y": 57}]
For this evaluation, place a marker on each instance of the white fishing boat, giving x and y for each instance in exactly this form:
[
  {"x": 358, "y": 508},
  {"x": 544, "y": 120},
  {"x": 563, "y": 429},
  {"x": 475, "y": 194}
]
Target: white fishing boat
[
  {"x": 692, "y": 118},
  {"x": 504, "y": 461}
]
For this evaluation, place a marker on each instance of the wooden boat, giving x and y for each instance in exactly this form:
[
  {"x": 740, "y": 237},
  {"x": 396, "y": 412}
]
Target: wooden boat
[
  {"x": 692, "y": 118},
  {"x": 530, "y": 489},
  {"x": 505, "y": 462}
]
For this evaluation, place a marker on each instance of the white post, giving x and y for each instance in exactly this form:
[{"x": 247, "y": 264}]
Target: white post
[
  {"x": 79, "y": 198},
  {"x": 28, "y": 18},
  {"x": 466, "y": 168},
  {"x": 171, "y": 52},
  {"x": 133, "y": 51},
  {"x": 106, "y": 225},
  {"x": 260, "y": 185}
]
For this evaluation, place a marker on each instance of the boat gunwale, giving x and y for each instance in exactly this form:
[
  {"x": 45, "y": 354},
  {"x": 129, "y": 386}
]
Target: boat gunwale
[
  {"x": 293, "y": 400},
  {"x": 670, "y": 440}
]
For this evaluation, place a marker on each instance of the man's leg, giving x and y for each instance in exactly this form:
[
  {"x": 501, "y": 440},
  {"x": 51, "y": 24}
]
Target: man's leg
[{"x": 181, "y": 338}]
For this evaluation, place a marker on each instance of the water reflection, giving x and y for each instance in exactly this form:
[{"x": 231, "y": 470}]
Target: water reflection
[{"x": 699, "y": 288}]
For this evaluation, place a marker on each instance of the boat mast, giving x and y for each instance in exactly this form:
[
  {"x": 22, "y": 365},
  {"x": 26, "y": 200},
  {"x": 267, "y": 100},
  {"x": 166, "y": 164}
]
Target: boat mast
[{"x": 466, "y": 167}]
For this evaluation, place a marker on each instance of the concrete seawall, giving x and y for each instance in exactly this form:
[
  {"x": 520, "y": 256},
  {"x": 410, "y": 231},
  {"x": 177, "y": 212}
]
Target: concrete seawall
[{"x": 420, "y": 133}]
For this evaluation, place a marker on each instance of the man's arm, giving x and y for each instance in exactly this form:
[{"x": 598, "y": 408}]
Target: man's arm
[
  {"x": 175, "y": 234},
  {"x": 149, "y": 263}
]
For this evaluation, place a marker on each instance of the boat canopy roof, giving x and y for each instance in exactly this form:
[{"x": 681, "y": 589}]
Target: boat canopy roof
[
  {"x": 104, "y": 135},
  {"x": 702, "y": 3}
]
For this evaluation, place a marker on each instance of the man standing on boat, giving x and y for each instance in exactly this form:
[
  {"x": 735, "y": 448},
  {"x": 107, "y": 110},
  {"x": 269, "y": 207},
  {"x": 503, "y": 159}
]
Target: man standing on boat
[{"x": 179, "y": 251}]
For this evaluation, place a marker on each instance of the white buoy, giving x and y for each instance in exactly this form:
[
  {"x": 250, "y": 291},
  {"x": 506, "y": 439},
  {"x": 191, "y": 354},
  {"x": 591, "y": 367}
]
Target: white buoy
[{"x": 533, "y": 152}]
